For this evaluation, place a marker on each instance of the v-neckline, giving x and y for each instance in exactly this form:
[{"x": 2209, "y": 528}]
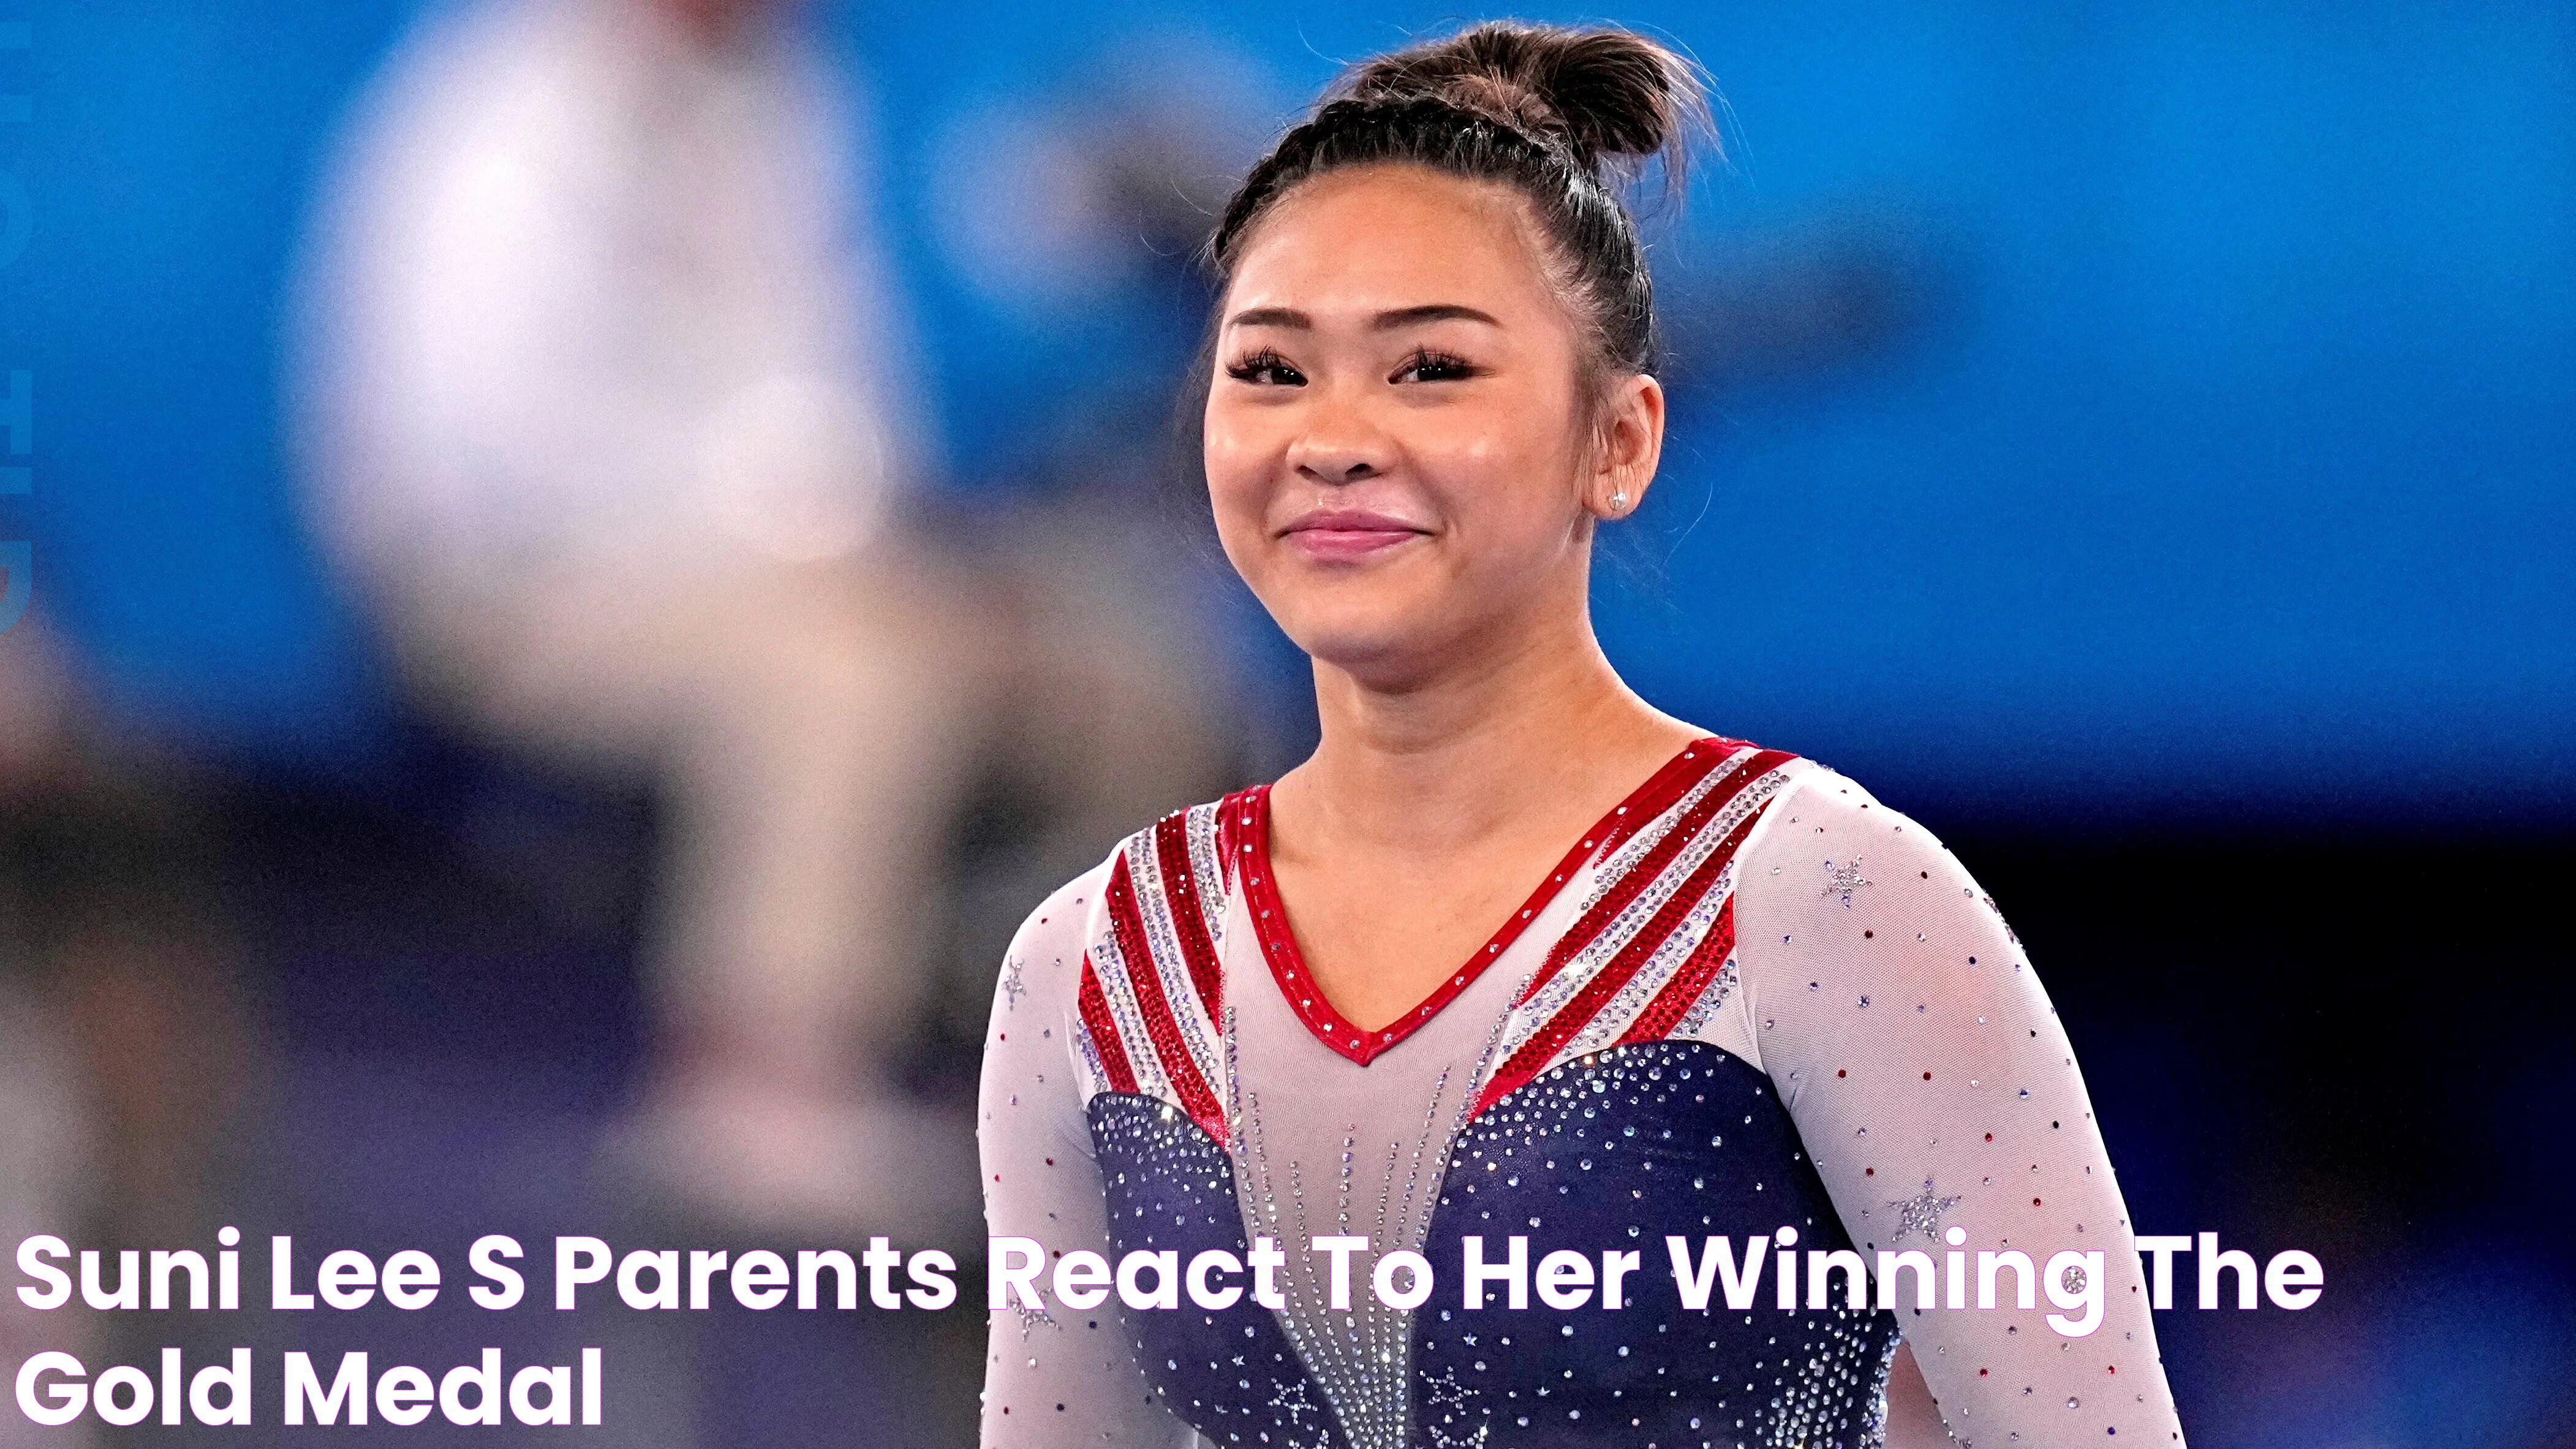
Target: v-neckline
[{"x": 1297, "y": 982}]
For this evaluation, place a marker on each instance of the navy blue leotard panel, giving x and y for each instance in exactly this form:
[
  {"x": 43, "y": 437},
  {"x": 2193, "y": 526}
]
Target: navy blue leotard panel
[{"x": 1613, "y": 1151}]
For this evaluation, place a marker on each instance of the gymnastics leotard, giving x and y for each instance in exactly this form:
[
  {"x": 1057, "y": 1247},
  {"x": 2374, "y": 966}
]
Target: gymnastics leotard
[{"x": 1749, "y": 997}]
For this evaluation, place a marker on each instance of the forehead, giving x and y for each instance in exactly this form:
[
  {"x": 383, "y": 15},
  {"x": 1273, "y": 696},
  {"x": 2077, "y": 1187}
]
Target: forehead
[{"x": 1391, "y": 235}]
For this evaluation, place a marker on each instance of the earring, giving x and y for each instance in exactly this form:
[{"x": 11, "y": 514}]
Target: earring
[{"x": 1619, "y": 501}]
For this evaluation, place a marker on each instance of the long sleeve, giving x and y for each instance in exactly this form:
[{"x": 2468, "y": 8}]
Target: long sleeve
[
  {"x": 1934, "y": 1086},
  {"x": 1055, "y": 1377}
]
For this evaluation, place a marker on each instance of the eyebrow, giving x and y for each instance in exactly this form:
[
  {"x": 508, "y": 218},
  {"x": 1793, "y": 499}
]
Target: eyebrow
[{"x": 1383, "y": 322}]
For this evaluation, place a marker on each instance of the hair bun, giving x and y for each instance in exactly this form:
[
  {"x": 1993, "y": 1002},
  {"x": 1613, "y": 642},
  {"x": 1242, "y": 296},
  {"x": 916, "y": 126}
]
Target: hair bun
[
  {"x": 1562, "y": 115},
  {"x": 1610, "y": 97}
]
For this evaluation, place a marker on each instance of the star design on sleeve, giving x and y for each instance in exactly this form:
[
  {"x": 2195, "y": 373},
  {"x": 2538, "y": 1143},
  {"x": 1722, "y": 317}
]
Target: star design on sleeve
[
  {"x": 1291, "y": 1400},
  {"x": 1030, "y": 1318},
  {"x": 1012, "y": 987},
  {"x": 1452, "y": 1398},
  {"x": 1842, "y": 880},
  {"x": 1921, "y": 1213},
  {"x": 1446, "y": 1392}
]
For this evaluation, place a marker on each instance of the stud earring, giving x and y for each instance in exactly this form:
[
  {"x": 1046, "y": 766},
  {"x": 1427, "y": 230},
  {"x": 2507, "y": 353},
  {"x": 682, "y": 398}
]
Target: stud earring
[{"x": 1619, "y": 501}]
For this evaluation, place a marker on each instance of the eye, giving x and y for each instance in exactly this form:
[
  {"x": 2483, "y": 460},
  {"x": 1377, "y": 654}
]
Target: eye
[
  {"x": 1265, "y": 369},
  {"x": 1426, "y": 365}
]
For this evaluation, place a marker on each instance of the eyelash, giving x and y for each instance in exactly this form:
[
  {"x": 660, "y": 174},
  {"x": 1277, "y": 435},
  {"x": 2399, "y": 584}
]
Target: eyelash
[
  {"x": 1453, "y": 368},
  {"x": 1445, "y": 367},
  {"x": 1251, "y": 368}
]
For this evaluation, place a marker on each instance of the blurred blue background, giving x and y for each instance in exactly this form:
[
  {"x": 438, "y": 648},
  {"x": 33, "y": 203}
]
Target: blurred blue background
[
  {"x": 2135, "y": 439},
  {"x": 2227, "y": 474}
]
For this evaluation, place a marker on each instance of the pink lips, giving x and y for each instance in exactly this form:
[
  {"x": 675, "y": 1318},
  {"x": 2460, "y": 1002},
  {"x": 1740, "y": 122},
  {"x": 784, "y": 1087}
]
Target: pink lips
[{"x": 1341, "y": 534}]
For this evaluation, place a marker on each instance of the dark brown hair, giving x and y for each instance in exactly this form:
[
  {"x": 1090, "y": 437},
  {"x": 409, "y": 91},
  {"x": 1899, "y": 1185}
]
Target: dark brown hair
[{"x": 1568, "y": 117}]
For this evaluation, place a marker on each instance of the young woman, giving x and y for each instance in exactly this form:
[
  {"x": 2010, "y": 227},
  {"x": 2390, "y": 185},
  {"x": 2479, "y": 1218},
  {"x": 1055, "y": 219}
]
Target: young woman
[{"x": 1515, "y": 955}]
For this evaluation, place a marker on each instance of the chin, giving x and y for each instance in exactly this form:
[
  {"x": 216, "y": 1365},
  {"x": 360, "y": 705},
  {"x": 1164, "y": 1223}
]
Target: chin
[
  {"x": 1366, "y": 620},
  {"x": 1370, "y": 642}
]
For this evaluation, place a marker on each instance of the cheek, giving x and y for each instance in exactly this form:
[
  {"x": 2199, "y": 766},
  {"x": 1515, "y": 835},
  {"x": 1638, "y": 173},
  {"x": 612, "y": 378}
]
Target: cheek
[
  {"x": 1505, "y": 473},
  {"x": 1237, "y": 463},
  {"x": 1240, "y": 463}
]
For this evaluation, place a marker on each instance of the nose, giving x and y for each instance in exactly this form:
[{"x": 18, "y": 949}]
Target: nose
[
  {"x": 1338, "y": 449},
  {"x": 1335, "y": 468}
]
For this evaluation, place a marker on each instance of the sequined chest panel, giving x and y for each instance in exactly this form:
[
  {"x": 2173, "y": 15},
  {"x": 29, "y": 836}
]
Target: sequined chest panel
[
  {"x": 1614, "y": 1151},
  {"x": 1619, "y": 1151}
]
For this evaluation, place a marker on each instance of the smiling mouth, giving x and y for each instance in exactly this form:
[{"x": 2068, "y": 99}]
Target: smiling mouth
[{"x": 1349, "y": 534}]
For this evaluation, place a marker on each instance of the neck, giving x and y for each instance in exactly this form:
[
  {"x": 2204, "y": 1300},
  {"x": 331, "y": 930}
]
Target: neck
[{"x": 1537, "y": 722}]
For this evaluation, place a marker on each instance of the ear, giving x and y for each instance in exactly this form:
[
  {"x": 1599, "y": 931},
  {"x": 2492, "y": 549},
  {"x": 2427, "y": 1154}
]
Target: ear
[{"x": 1628, "y": 442}]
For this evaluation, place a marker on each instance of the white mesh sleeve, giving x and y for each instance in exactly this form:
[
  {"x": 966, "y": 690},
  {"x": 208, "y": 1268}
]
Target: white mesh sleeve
[
  {"x": 1936, "y": 1090},
  {"x": 1057, "y": 1377}
]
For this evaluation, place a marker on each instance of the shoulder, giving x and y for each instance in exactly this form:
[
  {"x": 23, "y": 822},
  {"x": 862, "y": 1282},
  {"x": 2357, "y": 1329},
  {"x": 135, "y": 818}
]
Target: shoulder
[
  {"x": 467, "y": 73},
  {"x": 1830, "y": 852},
  {"x": 1837, "y": 878},
  {"x": 1187, "y": 861},
  {"x": 1183, "y": 860},
  {"x": 1057, "y": 922},
  {"x": 1824, "y": 825},
  {"x": 1042, "y": 970}
]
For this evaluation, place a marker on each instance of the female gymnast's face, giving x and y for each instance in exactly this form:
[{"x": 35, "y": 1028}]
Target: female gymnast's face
[{"x": 1398, "y": 452}]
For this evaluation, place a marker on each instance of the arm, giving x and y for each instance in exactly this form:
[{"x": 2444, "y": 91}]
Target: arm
[
  {"x": 1063, "y": 1377},
  {"x": 1935, "y": 1088}
]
